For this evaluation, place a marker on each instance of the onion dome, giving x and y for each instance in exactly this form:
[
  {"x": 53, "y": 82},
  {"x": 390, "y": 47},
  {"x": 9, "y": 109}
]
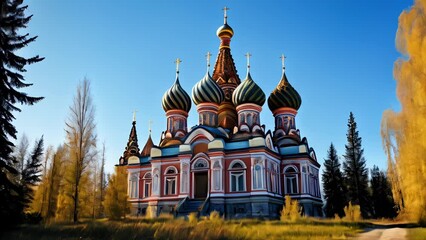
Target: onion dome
[
  {"x": 207, "y": 91},
  {"x": 176, "y": 98},
  {"x": 225, "y": 31},
  {"x": 248, "y": 92},
  {"x": 284, "y": 95}
]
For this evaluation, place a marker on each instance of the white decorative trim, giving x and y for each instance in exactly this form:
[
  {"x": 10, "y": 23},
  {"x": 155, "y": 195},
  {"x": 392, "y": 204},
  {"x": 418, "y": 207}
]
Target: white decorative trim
[
  {"x": 237, "y": 161},
  {"x": 193, "y": 135},
  {"x": 171, "y": 167}
]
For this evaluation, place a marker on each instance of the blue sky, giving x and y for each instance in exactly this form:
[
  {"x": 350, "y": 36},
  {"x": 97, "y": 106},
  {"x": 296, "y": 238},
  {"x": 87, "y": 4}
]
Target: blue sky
[{"x": 340, "y": 56}]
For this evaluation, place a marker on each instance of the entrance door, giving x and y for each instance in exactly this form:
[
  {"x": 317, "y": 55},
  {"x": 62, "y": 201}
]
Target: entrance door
[{"x": 201, "y": 184}]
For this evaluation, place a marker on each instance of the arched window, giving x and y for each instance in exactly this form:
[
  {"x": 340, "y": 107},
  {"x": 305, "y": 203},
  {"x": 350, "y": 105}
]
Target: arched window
[
  {"x": 200, "y": 164},
  {"x": 133, "y": 186},
  {"x": 147, "y": 178},
  {"x": 258, "y": 176},
  {"x": 237, "y": 174},
  {"x": 170, "y": 179},
  {"x": 290, "y": 180}
]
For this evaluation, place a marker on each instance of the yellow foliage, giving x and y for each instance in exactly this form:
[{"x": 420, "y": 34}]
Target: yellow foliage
[
  {"x": 352, "y": 213},
  {"x": 116, "y": 205},
  {"x": 291, "y": 210},
  {"x": 404, "y": 132},
  {"x": 192, "y": 218}
]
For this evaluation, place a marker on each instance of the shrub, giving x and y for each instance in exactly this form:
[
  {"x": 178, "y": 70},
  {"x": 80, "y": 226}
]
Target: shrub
[
  {"x": 352, "y": 213},
  {"x": 192, "y": 218},
  {"x": 291, "y": 210}
]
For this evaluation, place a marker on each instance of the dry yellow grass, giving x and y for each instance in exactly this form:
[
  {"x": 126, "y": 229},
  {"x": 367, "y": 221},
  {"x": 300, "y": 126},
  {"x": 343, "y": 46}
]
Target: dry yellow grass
[{"x": 208, "y": 228}]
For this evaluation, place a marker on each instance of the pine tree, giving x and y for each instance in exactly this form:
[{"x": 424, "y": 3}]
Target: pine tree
[
  {"x": 334, "y": 192},
  {"x": 31, "y": 174},
  {"x": 12, "y": 20},
  {"x": 355, "y": 171},
  {"x": 116, "y": 205},
  {"x": 382, "y": 199}
]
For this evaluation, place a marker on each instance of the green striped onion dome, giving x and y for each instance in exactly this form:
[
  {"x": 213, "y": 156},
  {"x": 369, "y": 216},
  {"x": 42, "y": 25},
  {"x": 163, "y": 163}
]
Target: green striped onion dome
[
  {"x": 207, "y": 91},
  {"x": 284, "y": 95},
  {"x": 176, "y": 98},
  {"x": 248, "y": 92}
]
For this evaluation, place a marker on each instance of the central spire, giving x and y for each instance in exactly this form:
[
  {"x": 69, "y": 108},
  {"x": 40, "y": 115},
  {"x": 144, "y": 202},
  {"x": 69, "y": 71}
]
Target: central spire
[{"x": 225, "y": 74}]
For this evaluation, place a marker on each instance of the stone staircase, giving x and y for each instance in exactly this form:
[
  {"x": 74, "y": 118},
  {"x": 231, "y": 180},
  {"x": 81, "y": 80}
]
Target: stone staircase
[{"x": 188, "y": 206}]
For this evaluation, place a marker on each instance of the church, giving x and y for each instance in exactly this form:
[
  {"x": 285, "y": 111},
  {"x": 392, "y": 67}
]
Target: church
[{"x": 229, "y": 162}]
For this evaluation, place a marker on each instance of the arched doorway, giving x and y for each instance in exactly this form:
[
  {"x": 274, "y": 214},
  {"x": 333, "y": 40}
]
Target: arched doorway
[{"x": 200, "y": 178}]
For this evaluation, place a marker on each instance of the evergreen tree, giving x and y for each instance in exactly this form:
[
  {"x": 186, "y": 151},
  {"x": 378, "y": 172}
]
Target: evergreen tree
[
  {"x": 332, "y": 179},
  {"x": 12, "y": 20},
  {"x": 31, "y": 174},
  {"x": 382, "y": 199},
  {"x": 116, "y": 205},
  {"x": 355, "y": 171}
]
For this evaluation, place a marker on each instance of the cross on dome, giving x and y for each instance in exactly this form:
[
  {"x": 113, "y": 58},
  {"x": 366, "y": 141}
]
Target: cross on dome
[
  {"x": 134, "y": 115},
  {"x": 208, "y": 55},
  {"x": 178, "y": 61},
  {"x": 225, "y": 16},
  {"x": 283, "y": 61},
  {"x": 248, "y": 55},
  {"x": 150, "y": 126}
]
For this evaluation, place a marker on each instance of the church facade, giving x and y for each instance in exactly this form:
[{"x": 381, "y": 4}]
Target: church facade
[{"x": 228, "y": 162}]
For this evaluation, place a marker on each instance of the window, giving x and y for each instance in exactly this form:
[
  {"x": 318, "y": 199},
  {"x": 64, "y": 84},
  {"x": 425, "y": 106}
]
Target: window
[
  {"x": 170, "y": 180},
  {"x": 274, "y": 179},
  {"x": 258, "y": 174},
  {"x": 305, "y": 180},
  {"x": 201, "y": 163},
  {"x": 133, "y": 186},
  {"x": 147, "y": 185},
  {"x": 217, "y": 176},
  {"x": 170, "y": 186},
  {"x": 237, "y": 176},
  {"x": 290, "y": 180}
]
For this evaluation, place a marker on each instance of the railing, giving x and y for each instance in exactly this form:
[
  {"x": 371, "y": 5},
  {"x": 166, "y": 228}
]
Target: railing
[
  {"x": 180, "y": 205},
  {"x": 204, "y": 208}
]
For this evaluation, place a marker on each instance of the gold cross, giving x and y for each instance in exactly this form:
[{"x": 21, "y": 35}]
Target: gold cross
[
  {"x": 248, "y": 55},
  {"x": 178, "y": 61},
  {"x": 208, "y": 59},
  {"x": 225, "y": 9},
  {"x": 134, "y": 115}
]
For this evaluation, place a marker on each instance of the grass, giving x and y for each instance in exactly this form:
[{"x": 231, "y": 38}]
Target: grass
[
  {"x": 416, "y": 233},
  {"x": 213, "y": 228}
]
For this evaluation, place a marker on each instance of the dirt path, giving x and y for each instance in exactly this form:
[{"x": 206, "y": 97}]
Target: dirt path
[{"x": 383, "y": 234}]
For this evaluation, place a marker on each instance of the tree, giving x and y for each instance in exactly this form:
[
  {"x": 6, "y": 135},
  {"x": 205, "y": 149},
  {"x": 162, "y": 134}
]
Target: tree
[
  {"x": 355, "y": 171},
  {"x": 382, "y": 200},
  {"x": 102, "y": 183},
  {"x": 12, "y": 20},
  {"x": 81, "y": 141},
  {"x": 46, "y": 195},
  {"x": 20, "y": 154},
  {"x": 31, "y": 174},
  {"x": 404, "y": 132},
  {"x": 334, "y": 191},
  {"x": 116, "y": 204}
]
